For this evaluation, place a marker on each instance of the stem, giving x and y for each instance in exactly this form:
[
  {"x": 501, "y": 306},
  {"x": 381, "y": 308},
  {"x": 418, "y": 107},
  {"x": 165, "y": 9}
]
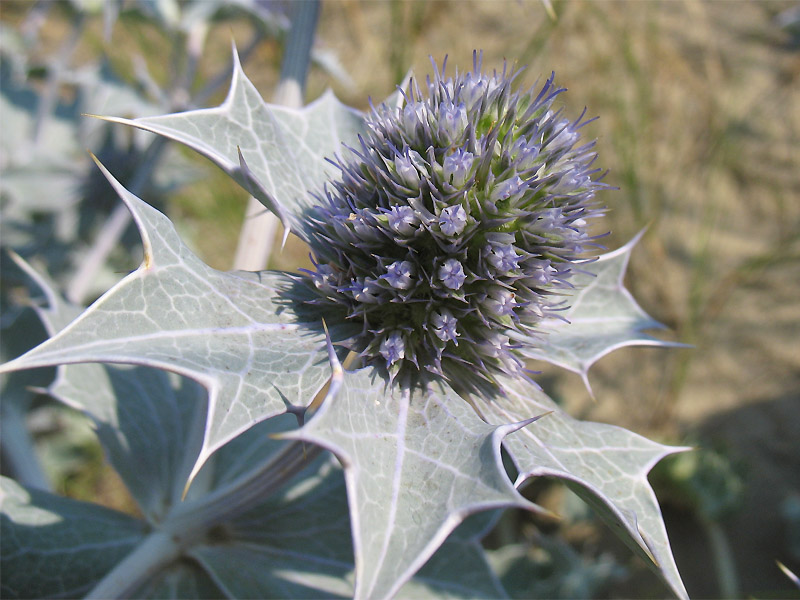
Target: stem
[
  {"x": 244, "y": 493},
  {"x": 19, "y": 450},
  {"x": 724, "y": 564},
  {"x": 192, "y": 45},
  {"x": 34, "y": 20},
  {"x": 157, "y": 550},
  {"x": 297, "y": 54},
  {"x": 49, "y": 97},
  {"x": 255, "y": 238},
  {"x": 188, "y": 523},
  {"x": 259, "y": 226}
]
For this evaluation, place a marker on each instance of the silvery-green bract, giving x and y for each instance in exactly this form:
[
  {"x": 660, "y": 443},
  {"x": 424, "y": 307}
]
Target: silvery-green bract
[{"x": 455, "y": 226}]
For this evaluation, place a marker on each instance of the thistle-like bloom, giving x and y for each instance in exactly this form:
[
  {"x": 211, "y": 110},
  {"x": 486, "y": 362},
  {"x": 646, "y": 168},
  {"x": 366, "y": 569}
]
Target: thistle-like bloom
[{"x": 455, "y": 226}]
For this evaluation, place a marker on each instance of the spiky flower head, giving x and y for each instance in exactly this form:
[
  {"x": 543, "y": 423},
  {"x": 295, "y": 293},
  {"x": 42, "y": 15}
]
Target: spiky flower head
[{"x": 455, "y": 226}]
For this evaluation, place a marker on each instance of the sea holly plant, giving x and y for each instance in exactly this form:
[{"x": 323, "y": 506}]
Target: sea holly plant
[{"x": 452, "y": 237}]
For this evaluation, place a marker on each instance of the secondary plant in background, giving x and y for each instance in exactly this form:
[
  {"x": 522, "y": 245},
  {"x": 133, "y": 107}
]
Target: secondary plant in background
[{"x": 450, "y": 238}]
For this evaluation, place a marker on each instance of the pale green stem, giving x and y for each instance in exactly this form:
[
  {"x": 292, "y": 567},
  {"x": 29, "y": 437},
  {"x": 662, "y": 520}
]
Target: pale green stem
[
  {"x": 29, "y": 28},
  {"x": 18, "y": 448},
  {"x": 244, "y": 493},
  {"x": 188, "y": 523},
  {"x": 49, "y": 97},
  {"x": 157, "y": 550},
  {"x": 257, "y": 235},
  {"x": 724, "y": 563},
  {"x": 297, "y": 54}
]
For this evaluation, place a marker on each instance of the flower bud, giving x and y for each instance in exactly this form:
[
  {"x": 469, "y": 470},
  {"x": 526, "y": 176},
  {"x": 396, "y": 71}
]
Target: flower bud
[
  {"x": 508, "y": 188},
  {"x": 413, "y": 115},
  {"x": 451, "y": 274},
  {"x": 454, "y": 227},
  {"x": 366, "y": 290},
  {"x": 393, "y": 348},
  {"x": 501, "y": 302},
  {"x": 403, "y": 220},
  {"x": 406, "y": 171},
  {"x": 399, "y": 274},
  {"x": 502, "y": 257},
  {"x": 444, "y": 325},
  {"x": 457, "y": 167},
  {"x": 452, "y": 123},
  {"x": 452, "y": 220}
]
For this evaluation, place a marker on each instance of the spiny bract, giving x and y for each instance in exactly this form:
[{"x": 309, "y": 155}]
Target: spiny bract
[{"x": 455, "y": 226}]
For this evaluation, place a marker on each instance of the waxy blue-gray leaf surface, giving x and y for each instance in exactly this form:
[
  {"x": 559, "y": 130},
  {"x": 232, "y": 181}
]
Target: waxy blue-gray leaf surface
[
  {"x": 606, "y": 465},
  {"x": 149, "y": 422},
  {"x": 53, "y": 547},
  {"x": 460, "y": 567},
  {"x": 295, "y": 544},
  {"x": 20, "y": 330},
  {"x": 276, "y": 153},
  {"x": 236, "y": 333},
  {"x": 181, "y": 580},
  {"x": 298, "y": 543},
  {"x": 602, "y": 317},
  {"x": 416, "y": 464}
]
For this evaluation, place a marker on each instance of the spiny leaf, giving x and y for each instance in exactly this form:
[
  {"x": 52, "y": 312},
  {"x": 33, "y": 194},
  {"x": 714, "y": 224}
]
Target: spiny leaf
[
  {"x": 149, "y": 422},
  {"x": 606, "y": 465},
  {"x": 126, "y": 402},
  {"x": 282, "y": 150},
  {"x": 55, "y": 547},
  {"x": 20, "y": 330},
  {"x": 295, "y": 544},
  {"x": 298, "y": 543},
  {"x": 236, "y": 333},
  {"x": 602, "y": 317},
  {"x": 460, "y": 567},
  {"x": 416, "y": 464}
]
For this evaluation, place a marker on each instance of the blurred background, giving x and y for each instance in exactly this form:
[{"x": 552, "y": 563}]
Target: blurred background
[{"x": 699, "y": 106}]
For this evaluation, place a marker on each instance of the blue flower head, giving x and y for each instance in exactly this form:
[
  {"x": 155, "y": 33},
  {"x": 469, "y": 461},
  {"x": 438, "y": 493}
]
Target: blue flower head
[{"x": 455, "y": 226}]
